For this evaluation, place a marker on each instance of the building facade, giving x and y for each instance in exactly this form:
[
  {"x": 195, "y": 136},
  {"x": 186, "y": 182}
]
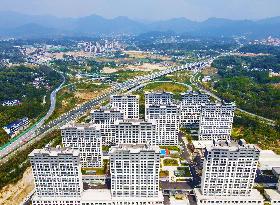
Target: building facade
[
  {"x": 216, "y": 121},
  {"x": 167, "y": 118},
  {"x": 229, "y": 171},
  {"x": 128, "y": 104},
  {"x": 158, "y": 98},
  {"x": 57, "y": 176},
  {"x": 106, "y": 118},
  {"x": 191, "y": 108},
  {"x": 135, "y": 172},
  {"x": 135, "y": 131},
  {"x": 87, "y": 139}
]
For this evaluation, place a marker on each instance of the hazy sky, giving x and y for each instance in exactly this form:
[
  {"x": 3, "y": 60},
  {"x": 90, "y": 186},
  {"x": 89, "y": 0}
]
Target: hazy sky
[{"x": 148, "y": 9}]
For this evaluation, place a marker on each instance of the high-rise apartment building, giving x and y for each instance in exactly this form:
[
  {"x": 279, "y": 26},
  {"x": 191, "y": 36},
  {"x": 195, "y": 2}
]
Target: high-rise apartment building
[
  {"x": 106, "y": 118},
  {"x": 135, "y": 131},
  {"x": 128, "y": 104},
  {"x": 167, "y": 118},
  {"x": 229, "y": 171},
  {"x": 87, "y": 139},
  {"x": 135, "y": 173},
  {"x": 158, "y": 98},
  {"x": 57, "y": 176},
  {"x": 216, "y": 121},
  {"x": 191, "y": 108}
]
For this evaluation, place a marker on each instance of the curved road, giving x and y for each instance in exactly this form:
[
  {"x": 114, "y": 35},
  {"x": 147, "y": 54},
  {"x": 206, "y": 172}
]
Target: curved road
[
  {"x": 32, "y": 130},
  {"x": 41, "y": 129}
]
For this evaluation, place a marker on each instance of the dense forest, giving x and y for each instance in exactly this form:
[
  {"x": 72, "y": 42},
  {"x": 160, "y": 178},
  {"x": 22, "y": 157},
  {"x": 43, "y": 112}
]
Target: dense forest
[
  {"x": 273, "y": 50},
  {"x": 246, "y": 81},
  {"x": 254, "y": 131},
  {"x": 16, "y": 83},
  {"x": 167, "y": 42}
]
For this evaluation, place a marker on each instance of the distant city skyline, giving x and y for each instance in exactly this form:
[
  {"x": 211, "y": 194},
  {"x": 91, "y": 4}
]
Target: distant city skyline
[{"x": 197, "y": 10}]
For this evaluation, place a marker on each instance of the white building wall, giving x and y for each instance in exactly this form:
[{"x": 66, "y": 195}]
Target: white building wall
[
  {"x": 167, "y": 118},
  {"x": 128, "y": 104},
  {"x": 216, "y": 121},
  {"x": 106, "y": 118},
  {"x": 134, "y": 171},
  {"x": 57, "y": 173},
  {"x": 87, "y": 139},
  {"x": 140, "y": 132},
  {"x": 158, "y": 98},
  {"x": 229, "y": 169},
  {"x": 191, "y": 108}
]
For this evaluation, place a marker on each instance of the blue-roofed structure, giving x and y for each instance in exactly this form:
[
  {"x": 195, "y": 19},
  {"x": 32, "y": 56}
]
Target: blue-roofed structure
[{"x": 15, "y": 126}]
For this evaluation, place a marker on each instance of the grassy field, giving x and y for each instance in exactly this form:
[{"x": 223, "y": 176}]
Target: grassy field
[
  {"x": 170, "y": 162},
  {"x": 166, "y": 86},
  {"x": 181, "y": 76},
  {"x": 163, "y": 174},
  {"x": 70, "y": 97}
]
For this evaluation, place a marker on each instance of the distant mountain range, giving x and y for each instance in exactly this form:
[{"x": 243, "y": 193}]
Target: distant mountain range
[{"x": 14, "y": 24}]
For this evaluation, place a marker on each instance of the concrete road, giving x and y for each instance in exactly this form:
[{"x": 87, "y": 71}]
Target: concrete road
[{"x": 77, "y": 112}]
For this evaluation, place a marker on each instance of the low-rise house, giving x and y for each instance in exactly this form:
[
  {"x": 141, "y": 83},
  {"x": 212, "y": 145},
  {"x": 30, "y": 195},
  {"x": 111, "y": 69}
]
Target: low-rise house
[
  {"x": 11, "y": 102},
  {"x": 15, "y": 126}
]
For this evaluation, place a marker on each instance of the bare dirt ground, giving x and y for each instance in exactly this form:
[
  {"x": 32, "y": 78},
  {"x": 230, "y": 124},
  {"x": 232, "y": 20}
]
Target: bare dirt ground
[
  {"x": 141, "y": 54},
  {"x": 276, "y": 85},
  {"x": 85, "y": 96},
  {"x": 13, "y": 194},
  {"x": 146, "y": 67},
  {"x": 209, "y": 71},
  {"x": 59, "y": 55},
  {"x": 109, "y": 70}
]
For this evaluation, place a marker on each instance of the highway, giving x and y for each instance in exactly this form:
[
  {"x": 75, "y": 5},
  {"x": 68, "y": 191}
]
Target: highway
[
  {"x": 20, "y": 139},
  {"x": 39, "y": 130}
]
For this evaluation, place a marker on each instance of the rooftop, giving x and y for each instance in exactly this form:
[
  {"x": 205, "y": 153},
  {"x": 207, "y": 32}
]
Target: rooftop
[
  {"x": 223, "y": 104},
  {"x": 81, "y": 126},
  {"x": 193, "y": 93},
  {"x": 254, "y": 196},
  {"x": 104, "y": 195},
  {"x": 232, "y": 145},
  {"x": 96, "y": 195},
  {"x": 276, "y": 170},
  {"x": 15, "y": 123},
  {"x": 273, "y": 194},
  {"x": 105, "y": 110},
  {"x": 134, "y": 96},
  {"x": 134, "y": 121},
  {"x": 201, "y": 144},
  {"x": 50, "y": 151},
  {"x": 134, "y": 148},
  {"x": 164, "y": 106},
  {"x": 268, "y": 160},
  {"x": 158, "y": 92}
]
